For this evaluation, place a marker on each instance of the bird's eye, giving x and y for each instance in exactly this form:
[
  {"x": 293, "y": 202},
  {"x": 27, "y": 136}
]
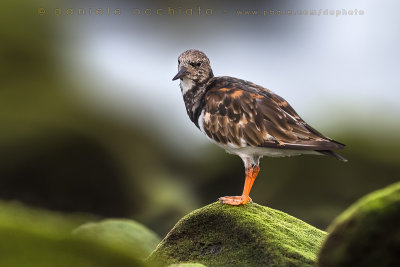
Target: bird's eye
[
  {"x": 195, "y": 64},
  {"x": 179, "y": 62}
]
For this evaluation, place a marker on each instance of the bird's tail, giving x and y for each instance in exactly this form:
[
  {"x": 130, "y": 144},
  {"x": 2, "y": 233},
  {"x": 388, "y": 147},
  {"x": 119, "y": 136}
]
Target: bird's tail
[{"x": 332, "y": 154}]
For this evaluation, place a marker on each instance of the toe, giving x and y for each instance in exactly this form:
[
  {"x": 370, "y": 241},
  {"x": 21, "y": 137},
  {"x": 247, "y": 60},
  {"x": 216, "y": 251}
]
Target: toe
[{"x": 234, "y": 200}]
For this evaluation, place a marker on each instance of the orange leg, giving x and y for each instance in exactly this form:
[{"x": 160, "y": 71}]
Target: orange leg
[{"x": 251, "y": 174}]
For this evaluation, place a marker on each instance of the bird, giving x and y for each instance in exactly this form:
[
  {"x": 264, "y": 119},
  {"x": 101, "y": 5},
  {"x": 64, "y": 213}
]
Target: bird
[{"x": 245, "y": 119}]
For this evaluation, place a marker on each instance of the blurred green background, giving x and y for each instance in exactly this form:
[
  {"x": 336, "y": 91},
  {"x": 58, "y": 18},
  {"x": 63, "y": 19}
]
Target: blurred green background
[{"x": 88, "y": 127}]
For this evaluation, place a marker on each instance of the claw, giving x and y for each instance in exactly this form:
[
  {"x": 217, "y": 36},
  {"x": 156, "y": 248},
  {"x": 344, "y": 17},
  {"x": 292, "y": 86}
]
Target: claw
[{"x": 235, "y": 200}]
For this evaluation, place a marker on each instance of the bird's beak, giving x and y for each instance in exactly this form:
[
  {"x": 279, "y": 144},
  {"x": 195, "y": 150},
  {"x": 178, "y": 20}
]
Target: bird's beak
[{"x": 182, "y": 72}]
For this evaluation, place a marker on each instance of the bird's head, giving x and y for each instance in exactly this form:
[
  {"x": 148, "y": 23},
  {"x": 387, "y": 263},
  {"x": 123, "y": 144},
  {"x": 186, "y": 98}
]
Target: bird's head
[{"x": 193, "y": 66}]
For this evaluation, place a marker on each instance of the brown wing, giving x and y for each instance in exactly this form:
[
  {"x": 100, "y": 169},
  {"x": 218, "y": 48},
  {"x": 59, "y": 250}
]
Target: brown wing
[{"x": 246, "y": 117}]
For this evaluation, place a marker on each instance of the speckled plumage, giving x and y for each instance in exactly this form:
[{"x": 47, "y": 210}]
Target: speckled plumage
[{"x": 244, "y": 118}]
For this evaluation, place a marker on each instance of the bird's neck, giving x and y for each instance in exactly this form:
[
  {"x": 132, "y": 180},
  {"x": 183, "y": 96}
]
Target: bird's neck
[
  {"x": 187, "y": 85},
  {"x": 193, "y": 94}
]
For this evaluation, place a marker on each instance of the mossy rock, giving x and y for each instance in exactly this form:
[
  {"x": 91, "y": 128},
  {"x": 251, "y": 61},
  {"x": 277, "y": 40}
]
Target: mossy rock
[
  {"x": 248, "y": 235},
  {"x": 126, "y": 234},
  {"x": 367, "y": 233},
  {"x": 31, "y": 237},
  {"x": 187, "y": 265}
]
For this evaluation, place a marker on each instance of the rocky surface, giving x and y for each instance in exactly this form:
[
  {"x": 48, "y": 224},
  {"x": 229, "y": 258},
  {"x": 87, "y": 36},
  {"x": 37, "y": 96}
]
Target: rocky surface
[
  {"x": 248, "y": 235},
  {"x": 367, "y": 233},
  {"x": 126, "y": 234},
  {"x": 32, "y": 237}
]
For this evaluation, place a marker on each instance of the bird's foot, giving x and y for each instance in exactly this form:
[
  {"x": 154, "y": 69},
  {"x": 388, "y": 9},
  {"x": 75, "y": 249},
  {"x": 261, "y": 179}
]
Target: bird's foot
[{"x": 235, "y": 200}]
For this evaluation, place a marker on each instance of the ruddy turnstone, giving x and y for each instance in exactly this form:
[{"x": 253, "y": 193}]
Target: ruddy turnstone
[{"x": 245, "y": 119}]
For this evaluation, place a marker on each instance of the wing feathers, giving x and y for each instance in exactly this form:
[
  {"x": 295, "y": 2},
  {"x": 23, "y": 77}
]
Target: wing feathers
[{"x": 239, "y": 113}]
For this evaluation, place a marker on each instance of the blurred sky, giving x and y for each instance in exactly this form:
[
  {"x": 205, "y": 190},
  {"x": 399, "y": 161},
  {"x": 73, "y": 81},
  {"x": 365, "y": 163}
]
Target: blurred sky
[{"x": 336, "y": 71}]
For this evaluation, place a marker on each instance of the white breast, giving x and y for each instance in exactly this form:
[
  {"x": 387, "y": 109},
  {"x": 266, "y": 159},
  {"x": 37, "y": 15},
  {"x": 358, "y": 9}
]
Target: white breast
[
  {"x": 201, "y": 122},
  {"x": 186, "y": 85}
]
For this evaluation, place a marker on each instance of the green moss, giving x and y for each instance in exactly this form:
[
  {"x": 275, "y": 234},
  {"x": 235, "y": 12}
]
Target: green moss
[
  {"x": 187, "y": 265},
  {"x": 126, "y": 234},
  {"x": 367, "y": 233},
  {"x": 30, "y": 237},
  {"x": 249, "y": 235}
]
